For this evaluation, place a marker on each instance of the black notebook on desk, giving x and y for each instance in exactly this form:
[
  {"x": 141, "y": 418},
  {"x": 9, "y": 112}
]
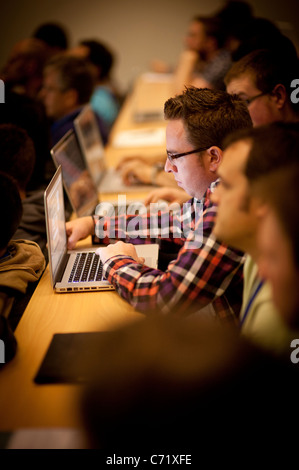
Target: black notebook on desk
[{"x": 70, "y": 357}]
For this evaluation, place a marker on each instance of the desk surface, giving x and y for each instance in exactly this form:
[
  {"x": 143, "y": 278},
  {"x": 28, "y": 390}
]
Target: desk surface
[
  {"x": 23, "y": 404},
  {"x": 125, "y": 122}
]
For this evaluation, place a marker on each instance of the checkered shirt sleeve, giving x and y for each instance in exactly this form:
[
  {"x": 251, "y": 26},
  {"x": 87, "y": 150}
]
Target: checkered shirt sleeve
[{"x": 205, "y": 271}]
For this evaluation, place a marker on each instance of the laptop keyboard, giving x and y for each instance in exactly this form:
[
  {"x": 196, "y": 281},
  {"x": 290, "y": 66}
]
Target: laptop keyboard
[{"x": 87, "y": 267}]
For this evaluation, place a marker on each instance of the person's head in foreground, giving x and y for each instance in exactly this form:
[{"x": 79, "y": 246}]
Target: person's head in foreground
[
  {"x": 278, "y": 238},
  {"x": 251, "y": 159},
  {"x": 165, "y": 384}
]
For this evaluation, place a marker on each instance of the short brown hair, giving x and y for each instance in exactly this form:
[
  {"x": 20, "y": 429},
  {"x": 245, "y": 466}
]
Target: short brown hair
[
  {"x": 74, "y": 73},
  {"x": 208, "y": 115}
]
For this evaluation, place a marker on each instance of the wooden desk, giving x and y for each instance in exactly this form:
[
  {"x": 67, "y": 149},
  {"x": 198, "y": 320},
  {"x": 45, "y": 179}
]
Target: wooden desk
[
  {"x": 23, "y": 404},
  {"x": 125, "y": 121}
]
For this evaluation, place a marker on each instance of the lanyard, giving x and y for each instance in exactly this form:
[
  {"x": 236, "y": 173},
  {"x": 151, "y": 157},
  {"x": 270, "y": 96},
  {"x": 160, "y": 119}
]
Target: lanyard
[{"x": 253, "y": 296}]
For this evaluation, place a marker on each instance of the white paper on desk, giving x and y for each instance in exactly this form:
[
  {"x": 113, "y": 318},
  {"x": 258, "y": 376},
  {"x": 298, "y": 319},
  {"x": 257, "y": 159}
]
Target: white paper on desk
[{"x": 146, "y": 137}]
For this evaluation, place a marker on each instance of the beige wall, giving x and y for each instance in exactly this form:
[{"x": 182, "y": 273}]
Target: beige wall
[{"x": 137, "y": 30}]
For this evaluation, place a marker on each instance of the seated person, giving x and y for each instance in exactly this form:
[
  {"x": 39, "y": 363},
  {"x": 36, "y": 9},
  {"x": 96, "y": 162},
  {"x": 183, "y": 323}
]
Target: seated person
[
  {"x": 23, "y": 75},
  {"x": 23, "y": 70},
  {"x": 17, "y": 160},
  {"x": 21, "y": 261},
  {"x": 271, "y": 158},
  {"x": 67, "y": 86},
  {"x": 204, "y": 274},
  {"x": 263, "y": 80},
  {"x": 278, "y": 238},
  {"x": 205, "y": 60},
  {"x": 105, "y": 99},
  {"x": 237, "y": 225}
]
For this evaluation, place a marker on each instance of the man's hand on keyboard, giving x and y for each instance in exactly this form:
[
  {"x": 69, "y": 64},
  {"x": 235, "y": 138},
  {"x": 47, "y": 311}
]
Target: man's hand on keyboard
[
  {"x": 78, "y": 229},
  {"x": 119, "y": 248}
]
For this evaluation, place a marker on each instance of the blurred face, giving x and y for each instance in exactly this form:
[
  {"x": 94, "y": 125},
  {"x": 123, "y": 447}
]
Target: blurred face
[
  {"x": 191, "y": 172},
  {"x": 262, "y": 109},
  {"x": 236, "y": 219},
  {"x": 277, "y": 266},
  {"x": 57, "y": 102},
  {"x": 195, "y": 37}
]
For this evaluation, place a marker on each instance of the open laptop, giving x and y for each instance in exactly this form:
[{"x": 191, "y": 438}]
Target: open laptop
[
  {"x": 76, "y": 270},
  {"x": 78, "y": 182},
  {"x": 106, "y": 179},
  {"x": 77, "y": 179}
]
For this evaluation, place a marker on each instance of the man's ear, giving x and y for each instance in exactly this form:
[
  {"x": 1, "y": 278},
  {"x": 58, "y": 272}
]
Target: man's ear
[
  {"x": 215, "y": 158},
  {"x": 279, "y": 95}
]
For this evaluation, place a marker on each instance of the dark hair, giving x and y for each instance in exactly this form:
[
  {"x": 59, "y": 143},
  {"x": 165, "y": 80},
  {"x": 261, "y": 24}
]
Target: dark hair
[
  {"x": 74, "y": 73},
  {"x": 213, "y": 28},
  {"x": 27, "y": 59},
  {"x": 100, "y": 56},
  {"x": 261, "y": 33},
  {"x": 273, "y": 146},
  {"x": 17, "y": 156},
  {"x": 267, "y": 69},
  {"x": 155, "y": 380},
  {"x": 11, "y": 209},
  {"x": 235, "y": 16},
  {"x": 208, "y": 115},
  {"x": 53, "y": 34},
  {"x": 280, "y": 190}
]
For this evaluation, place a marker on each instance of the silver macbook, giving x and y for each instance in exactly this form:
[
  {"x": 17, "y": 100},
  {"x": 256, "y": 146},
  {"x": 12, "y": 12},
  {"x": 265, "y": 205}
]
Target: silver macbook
[
  {"x": 77, "y": 179},
  {"x": 78, "y": 182},
  {"x": 106, "y": 179},
  {"x": 76, "y": 270}
]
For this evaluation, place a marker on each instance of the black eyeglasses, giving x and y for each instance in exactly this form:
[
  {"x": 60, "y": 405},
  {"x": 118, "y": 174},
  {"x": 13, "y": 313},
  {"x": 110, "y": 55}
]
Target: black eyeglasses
[
  {"x": 248, "y": 101},
  {"x": 173, "y": 156}
]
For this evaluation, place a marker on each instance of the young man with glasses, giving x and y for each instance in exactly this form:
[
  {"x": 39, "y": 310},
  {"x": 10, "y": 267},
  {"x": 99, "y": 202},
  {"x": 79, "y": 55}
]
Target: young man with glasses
[
  {"x": 263, "y": 80},
  {"x": 207, "y": 274}
]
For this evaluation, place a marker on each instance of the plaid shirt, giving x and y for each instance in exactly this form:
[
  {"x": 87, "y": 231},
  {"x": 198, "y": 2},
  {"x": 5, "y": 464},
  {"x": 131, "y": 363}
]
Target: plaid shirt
[{"x": 204, "y": 274}]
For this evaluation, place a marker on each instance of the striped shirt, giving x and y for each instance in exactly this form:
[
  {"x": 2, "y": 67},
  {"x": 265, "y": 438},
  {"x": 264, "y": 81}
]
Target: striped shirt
[{"x": 206, "y": 275}]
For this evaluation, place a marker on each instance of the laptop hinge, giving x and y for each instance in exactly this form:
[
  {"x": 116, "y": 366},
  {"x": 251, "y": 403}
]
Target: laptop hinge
[{"x": 62, "y": 267}]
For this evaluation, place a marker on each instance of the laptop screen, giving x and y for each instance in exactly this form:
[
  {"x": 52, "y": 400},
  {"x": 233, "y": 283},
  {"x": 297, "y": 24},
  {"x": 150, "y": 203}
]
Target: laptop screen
[
  {"x": 90, "y": 140},
  {"x": 55, "y": 220},
  {"x": 77, "y": 179}
]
